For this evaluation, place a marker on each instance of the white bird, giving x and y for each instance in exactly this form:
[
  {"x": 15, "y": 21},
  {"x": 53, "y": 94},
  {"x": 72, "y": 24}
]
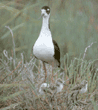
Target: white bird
[
  {"x": 45, "y": 48},
  {"x": 42, "y": 88},
  {"x": 81, "y": 87},
  {"x": 59, "y": 85},
  {"x": 84, "y": 87}
]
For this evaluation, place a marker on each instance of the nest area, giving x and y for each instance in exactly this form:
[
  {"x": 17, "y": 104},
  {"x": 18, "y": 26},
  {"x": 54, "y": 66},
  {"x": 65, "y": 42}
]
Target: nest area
[{"x": 19, "y": 87}]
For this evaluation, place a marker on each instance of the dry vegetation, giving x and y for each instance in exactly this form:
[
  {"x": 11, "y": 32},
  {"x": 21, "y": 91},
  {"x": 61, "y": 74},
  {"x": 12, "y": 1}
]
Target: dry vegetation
[{"x": 20, "y": 84}]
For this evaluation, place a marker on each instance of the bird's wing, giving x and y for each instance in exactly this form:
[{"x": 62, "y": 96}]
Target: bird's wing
[
  {"x": 57, "y": 51},
  {"x": 77, "y": 87}
]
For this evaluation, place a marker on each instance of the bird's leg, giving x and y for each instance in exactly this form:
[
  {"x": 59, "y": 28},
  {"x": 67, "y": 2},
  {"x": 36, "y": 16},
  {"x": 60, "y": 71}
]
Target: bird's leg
[
  {"x": 45, "y": 71},
  {"x": 52, "y": 72}
]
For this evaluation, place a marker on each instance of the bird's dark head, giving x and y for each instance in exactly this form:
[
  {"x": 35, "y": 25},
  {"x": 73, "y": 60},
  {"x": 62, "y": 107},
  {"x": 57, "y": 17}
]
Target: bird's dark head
[{"x": 45, "y": 11}]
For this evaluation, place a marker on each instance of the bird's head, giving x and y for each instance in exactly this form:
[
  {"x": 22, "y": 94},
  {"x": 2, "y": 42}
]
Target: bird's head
[
  {"x": 45, "y": 11},
  {"x": 59, "y": 82},
  {"x": 84, "y": 82}
]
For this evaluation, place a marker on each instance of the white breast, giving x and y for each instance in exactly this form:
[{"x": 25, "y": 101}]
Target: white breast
[
  {"x": 43, "y": 48},
  {"x": 84, "y": 89},
  {"x": 59, "y": 88}
]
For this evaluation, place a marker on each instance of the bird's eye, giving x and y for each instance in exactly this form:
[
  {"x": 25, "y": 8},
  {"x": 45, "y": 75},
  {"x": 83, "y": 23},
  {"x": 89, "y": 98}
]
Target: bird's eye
[{"x": 48, "y": 9}]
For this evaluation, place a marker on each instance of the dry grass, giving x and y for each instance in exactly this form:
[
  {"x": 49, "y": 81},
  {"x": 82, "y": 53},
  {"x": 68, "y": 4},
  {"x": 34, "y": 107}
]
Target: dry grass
[{"x": 19, "y": 86}]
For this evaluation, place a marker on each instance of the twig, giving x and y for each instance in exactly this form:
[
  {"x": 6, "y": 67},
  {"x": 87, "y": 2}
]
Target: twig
[
  {"x": 6, "y": 55},
  {"x": 86, "y": 51},
  {"x": 13, "y": 43},
  {"x": 11, "y": 72},
  {"x": 22, "y": 63},
  {"x": 68, "y": 79},
  {"x": 87, "y": 48}
]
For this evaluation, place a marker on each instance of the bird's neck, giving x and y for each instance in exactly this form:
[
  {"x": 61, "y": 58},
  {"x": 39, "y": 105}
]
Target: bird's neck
[{"x": 45, "y": 23}]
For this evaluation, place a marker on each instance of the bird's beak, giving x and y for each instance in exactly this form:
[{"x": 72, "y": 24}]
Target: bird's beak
[{"x": 41, "y": 16}]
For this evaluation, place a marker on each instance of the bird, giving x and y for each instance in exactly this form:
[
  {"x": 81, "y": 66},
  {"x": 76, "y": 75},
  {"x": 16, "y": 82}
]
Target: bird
[
  {"x": 59, "y": 85},
  {"x": 82, "y": 87},
  {"x": 51, "y": 88},
  {"x": 45, "y": 48},
  {"x": 43, "y": 87}
]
